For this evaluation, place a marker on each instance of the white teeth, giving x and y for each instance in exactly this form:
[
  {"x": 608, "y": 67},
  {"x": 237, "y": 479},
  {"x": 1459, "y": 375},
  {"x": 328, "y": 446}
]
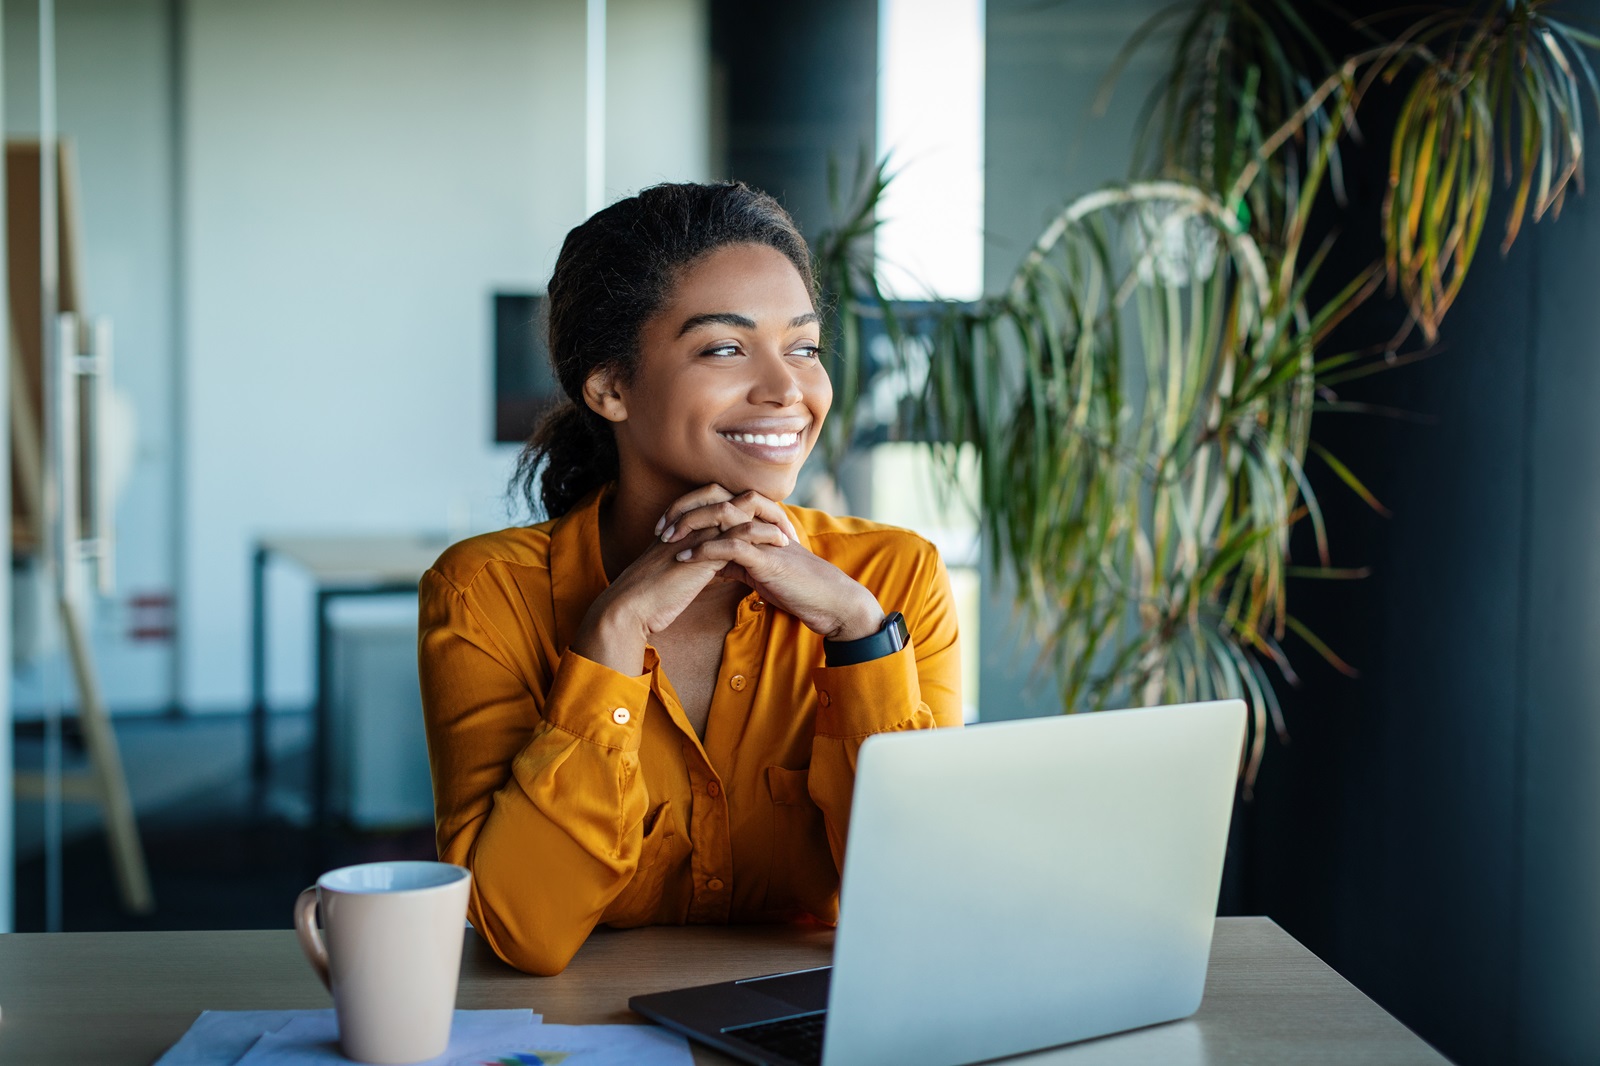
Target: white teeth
[{"x": 774, "y": 440}]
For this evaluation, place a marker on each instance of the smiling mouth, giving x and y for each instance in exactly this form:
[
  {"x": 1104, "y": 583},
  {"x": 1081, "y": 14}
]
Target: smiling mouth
[{"x": 770, "y": 440}]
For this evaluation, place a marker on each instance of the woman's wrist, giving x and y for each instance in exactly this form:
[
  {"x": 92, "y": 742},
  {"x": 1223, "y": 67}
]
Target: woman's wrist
[
  {"x": 612, "y": 637},
  {"x": 864, "y": 619}
]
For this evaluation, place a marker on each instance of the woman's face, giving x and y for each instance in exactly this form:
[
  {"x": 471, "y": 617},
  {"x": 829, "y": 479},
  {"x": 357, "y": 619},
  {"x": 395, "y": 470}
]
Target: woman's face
[{"x": 729, "y": 387}]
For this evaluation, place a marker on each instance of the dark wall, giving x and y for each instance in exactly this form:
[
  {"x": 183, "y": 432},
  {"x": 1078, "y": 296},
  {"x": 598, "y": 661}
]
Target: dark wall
[
  {"x": 795, "y": 85},
  {"x": 1558, "y": 963}
]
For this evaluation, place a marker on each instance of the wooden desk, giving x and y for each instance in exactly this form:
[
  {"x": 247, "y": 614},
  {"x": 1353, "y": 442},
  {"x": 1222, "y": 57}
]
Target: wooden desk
[{"x": 114, "y": 998}]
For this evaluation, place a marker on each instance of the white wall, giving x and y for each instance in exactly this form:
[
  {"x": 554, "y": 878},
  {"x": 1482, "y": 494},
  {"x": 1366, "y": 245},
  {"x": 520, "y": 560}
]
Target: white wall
[
  {"x": 658, "y": 93},
  {"x": 359, "y": 177}
]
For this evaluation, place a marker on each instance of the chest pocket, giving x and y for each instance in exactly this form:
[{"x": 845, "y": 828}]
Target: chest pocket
[{"x": 802, "y": 878}]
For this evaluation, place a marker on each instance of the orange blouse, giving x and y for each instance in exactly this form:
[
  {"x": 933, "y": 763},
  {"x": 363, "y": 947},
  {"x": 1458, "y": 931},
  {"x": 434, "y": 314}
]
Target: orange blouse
[{"x": 577, "y": 795}]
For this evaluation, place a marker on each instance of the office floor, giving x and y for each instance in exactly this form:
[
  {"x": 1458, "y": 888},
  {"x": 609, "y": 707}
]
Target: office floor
[{"x": 215, "y": 861}]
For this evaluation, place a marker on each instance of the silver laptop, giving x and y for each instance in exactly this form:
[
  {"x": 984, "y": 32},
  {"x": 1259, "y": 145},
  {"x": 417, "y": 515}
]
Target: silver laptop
[{"x": 1007, "y": 887}]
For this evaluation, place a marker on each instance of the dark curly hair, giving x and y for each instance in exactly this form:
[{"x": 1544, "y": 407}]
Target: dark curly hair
[{"x": 615, "y": 271}]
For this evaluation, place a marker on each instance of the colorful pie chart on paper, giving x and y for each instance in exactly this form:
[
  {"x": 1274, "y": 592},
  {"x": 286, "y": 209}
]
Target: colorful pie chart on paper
[{"x": 529, "y": 1058}]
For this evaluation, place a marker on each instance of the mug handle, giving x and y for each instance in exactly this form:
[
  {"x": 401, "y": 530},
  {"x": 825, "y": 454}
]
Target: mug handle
[{"x": 305, "y": 927}]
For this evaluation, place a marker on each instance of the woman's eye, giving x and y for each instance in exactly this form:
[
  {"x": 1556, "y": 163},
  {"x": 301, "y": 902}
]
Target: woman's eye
[
  {"x": 807, "y": 351},
  {"x": 722, "y": 350}
]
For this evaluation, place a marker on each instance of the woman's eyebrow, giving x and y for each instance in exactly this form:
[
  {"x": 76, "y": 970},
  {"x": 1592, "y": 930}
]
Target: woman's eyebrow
[
  {"x": 716, "y": 318},
  {"x": 728, "y": 318}
]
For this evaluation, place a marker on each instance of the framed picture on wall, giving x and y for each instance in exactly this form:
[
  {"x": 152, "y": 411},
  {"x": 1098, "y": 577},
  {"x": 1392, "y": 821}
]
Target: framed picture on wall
[{"x": 524, "y": 385}]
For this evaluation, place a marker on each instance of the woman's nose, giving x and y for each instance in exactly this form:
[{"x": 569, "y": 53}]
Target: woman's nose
[{"x": 775, "y": 383}]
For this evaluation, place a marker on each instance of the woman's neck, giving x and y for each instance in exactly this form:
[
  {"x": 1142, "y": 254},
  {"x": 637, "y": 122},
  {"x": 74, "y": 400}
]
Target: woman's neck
[{"x": 627, "y": 525}]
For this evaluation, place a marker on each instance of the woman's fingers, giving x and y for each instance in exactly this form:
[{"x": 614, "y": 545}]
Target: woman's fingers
[
  {"x": 758, "y": 506},
  {"x": 718, "y": 516},
  {"x": 691, "y": 539},
  {"x": 723, "y": 517},
  {"x": 689, "y": 501},
  {"x": 736, "y": 544},
  {"x": 724, "y": 514}
]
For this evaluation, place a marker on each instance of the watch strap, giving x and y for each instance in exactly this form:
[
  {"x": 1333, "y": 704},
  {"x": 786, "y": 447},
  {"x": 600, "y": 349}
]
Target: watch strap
[{"x": 890, "y": 638}]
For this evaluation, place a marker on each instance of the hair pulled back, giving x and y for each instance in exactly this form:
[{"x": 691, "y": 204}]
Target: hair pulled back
[{"x": 614, "y": 273}]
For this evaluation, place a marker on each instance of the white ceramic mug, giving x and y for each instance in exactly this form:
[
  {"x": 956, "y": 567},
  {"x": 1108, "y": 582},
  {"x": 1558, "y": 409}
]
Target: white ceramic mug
[{"x": 392, "y": 954}]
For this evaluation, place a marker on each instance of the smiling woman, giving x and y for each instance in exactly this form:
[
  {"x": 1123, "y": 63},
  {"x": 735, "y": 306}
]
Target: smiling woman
[{"x": 647, "y": 709}]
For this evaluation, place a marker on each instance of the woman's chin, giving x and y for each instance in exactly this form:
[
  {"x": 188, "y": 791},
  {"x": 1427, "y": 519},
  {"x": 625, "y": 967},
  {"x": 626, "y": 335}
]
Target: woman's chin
[{"x": 777, "y": 485}]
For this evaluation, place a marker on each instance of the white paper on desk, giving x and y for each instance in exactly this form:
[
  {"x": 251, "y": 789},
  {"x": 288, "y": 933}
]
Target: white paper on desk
[
  {"x": 308, "y": 1041},
  {"x": 222, "y": 1037},
  {"x": 599, "y": 1045}
]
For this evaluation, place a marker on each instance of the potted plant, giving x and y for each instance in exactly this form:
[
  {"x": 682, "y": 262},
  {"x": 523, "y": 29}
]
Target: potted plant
[{"x": 1142, "y": 398}]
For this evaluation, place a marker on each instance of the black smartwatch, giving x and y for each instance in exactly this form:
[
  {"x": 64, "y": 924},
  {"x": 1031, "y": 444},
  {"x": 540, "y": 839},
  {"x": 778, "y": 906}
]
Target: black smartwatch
[{"x": 886, "y": 641}]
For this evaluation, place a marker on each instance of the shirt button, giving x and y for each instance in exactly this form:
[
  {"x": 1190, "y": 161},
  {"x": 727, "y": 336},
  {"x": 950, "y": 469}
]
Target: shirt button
[
  {"x": 737, "y": 682},
  {"x": 759, "y": 605},
  {"x": 714, "y": 884},
  {"x": 824, "y": 699},
  {"x": 621, "y": 716},
  {"x": 714, "y": 789}
]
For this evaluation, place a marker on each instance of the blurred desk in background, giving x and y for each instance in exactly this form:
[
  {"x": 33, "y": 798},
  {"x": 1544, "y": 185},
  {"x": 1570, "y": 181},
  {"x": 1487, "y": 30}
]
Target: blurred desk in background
[
  {"x": 115, "y": 998},
  {"x": 340, "y": 566}
]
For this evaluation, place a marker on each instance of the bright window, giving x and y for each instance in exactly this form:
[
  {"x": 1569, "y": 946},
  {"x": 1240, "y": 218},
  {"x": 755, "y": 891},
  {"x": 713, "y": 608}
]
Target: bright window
[{"x": 930, "y": 125}]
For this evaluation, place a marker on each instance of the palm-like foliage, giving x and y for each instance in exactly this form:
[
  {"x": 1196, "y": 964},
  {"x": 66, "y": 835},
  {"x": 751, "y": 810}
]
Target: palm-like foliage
[
  {"x": 1238, "y": 72},
  {"x": 1517, "y": 76},
  {"x": 1140, "y": 397}
]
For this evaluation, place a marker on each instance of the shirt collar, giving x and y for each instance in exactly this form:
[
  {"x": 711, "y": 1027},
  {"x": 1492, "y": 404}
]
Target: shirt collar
[{"x": 577, "y": 571}]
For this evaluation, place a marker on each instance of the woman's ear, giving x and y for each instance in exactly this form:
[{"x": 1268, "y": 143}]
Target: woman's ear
[{"x": 600, "y": 393}]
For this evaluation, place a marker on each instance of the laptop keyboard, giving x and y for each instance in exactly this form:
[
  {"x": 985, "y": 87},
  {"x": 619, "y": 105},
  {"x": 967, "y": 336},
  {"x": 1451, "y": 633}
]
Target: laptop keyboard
[{"x": 798, "y": 1038}]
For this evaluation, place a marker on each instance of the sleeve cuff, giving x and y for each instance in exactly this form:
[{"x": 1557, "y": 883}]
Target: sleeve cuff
[
  {"x": 866, "y": 698},
  {"x": 597, "y": 703}
]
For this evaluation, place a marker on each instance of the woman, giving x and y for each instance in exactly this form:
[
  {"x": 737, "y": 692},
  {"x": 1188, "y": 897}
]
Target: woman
[{"x": 647, "y": 710}]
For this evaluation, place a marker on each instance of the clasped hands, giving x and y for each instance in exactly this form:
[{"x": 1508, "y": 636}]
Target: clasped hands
[{"x": 712, "y": 535}]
